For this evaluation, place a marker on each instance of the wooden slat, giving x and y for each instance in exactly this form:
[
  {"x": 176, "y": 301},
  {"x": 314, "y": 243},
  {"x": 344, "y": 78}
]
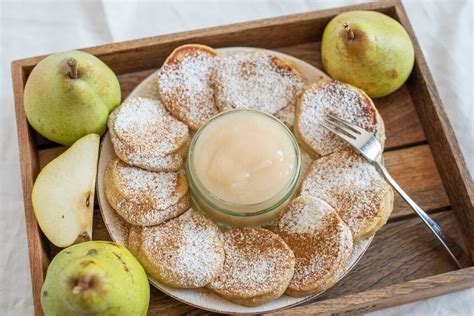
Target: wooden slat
[
  {"x": 415, "y": 171},
  {"x": 99, "y": 230},
  {"x": 129, "y": 81},
  {"x": 402, "y": 293},
  {"x": 29, "y": 164},
  {"x": 458, "y": 182},
  {"x": 310, "y": 52},
  {"x": 402, "y": 126}
]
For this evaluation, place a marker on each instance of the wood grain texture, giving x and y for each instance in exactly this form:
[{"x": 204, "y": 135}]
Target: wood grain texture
[
  {"x": 401, "y": 251},
  {"x": 402, "y": 293},
  {"x": 415, "y": 171},
  {"x": 129, "y": 81},
  {"x": 404, "y": 129},
  {"x": 29, "y": 165},
  {"x": 458, "y": 182}
]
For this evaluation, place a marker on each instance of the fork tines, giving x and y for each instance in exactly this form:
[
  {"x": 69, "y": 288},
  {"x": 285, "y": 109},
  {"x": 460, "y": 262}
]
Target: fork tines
[
  {"x": 363, "y": 141},
  {"x": 341, "y": 128}
]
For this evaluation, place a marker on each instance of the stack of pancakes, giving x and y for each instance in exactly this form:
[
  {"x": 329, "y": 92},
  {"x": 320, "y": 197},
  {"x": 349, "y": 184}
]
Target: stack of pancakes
[{"x": 342, "y": 199}]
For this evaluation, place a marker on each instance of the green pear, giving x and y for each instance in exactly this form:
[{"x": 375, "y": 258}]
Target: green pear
[
  {"x": 95, "y": 278},
  {"x": 69, "y": 95},
  {"x": 63, "y": 193},
  {"x": 369, "y": 50}
]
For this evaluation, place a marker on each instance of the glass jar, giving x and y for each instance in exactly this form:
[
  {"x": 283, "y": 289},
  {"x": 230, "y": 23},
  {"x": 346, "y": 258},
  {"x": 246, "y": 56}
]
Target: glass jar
[{"x": 231, "y": 214}]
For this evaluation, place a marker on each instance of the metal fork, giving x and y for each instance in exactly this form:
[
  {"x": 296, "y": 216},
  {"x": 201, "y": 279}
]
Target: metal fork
[{"x": 369, "y": 147}]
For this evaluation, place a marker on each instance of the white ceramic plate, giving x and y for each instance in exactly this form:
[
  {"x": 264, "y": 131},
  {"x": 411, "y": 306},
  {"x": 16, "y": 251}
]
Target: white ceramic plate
[{"x": 201, "y": 298}]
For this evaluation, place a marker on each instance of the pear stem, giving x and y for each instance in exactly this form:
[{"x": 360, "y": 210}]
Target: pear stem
[
  {"x": 71, "y": 62},
  {"x": 350, "y": 32},
  {"x": 82, "y": 284}
]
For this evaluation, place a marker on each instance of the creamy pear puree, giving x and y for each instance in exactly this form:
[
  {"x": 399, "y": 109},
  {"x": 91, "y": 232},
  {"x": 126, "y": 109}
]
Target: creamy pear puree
[{"x": 243, "y": 164}]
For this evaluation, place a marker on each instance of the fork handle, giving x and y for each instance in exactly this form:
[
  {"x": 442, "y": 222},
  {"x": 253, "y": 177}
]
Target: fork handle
[{"x": 454, "y": 250}]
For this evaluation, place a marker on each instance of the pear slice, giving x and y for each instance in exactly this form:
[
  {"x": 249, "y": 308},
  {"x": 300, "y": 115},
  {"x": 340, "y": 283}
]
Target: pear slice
[{"x": 63, "y": 193}]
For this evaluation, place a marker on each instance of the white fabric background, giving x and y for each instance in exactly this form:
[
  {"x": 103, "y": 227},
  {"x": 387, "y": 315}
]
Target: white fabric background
[{"x": 29, "y": 28}]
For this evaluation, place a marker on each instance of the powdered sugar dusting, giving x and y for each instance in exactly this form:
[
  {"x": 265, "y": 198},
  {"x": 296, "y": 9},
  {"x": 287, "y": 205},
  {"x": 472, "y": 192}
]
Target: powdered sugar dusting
[
  {"x": 305, "y": 216},
  {"x": 319, "y": 239},
  {"x": 151, "y": 216},
  {"x": 184, "y": 86},
  {"x": 145, "y": 135},
  {"x": 348, "y": 183},
  {"x": 334, "y": 246},
  {"x": 255, "y": 81},
  {"x": 161, "y": 187},
  {"x": 256, "y": 261},
  {"x": 147, "y": 159},
  {"x": 339, "y": 99},
  {"x": 189, "y": 248},
  {"x": 146, "y": 198}
]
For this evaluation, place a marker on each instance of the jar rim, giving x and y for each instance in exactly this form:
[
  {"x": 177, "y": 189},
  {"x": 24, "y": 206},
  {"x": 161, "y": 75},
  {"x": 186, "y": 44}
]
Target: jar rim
[{"x": 202, "y": 193}]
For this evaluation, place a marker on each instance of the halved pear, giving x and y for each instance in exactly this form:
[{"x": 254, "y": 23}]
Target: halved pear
[{"x": 63, "y": 193}]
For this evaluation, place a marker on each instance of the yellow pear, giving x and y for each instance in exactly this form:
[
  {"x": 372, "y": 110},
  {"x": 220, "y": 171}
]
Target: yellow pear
[
  {"x": 369, "y": 50},
  {"x": 95, "y": 278},
  {"x": 69, "y": 95}
]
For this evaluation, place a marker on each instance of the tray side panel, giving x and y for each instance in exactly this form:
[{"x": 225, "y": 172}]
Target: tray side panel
[
  {"x": 29, "y": 163},
  {"x": 448, "y": 157},
  {"x": 146, "y": 53},
  {"x": 397, "y": 294}
]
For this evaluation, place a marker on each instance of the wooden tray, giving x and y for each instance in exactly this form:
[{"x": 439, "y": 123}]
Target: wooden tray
[{"x": 404, "y": 263}]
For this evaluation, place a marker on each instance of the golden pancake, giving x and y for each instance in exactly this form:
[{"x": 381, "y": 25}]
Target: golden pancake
[
  {"x": 258, "y": 267},
  {"x": 145, "y": 198},
  {"x": 145, "y": 135},
  {"x": 341, "y": 100},
  {"x": 320, "y": 240},
  {"x": 185, "y": 252},
  {"x": 184, "y": 84},
  {"x": 354, "y": 188},
  {"x": 255, "y": 80}
]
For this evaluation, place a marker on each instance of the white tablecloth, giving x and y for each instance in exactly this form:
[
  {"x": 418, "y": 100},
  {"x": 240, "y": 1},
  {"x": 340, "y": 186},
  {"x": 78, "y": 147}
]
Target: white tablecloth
[{"x": 30, "y": 28}]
